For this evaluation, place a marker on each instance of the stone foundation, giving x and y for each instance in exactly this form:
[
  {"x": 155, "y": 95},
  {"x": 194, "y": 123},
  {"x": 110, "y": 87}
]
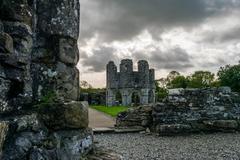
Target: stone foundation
[
  {"x": 188, "y": 111},
  {"x": 31, "y": 137}
]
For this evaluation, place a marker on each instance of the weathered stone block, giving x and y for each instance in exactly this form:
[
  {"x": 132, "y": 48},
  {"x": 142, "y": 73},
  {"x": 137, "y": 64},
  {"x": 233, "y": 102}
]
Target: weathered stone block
[
  {"x": 67, "y": 84},
  {"x": 222, "y": 124},
  {"x": 175, "y": 92},
  {"x": 15, "y": 10},
  {"x": 22, "y": 38},
  {"x": 53, "y": 17},
  {"x": 27, "y": 122},
  {"x": 65, "y": 145},
  {"x": 6, "y": 43},
  {"x": 64, "y": 78},
  {"x": 71, "y": 115},
  {"x": 173, "y": 128},
  {"x": 4, "y": 127},
  {"x": 4, "y": 89},
  {"x": 68, "y": 51}
]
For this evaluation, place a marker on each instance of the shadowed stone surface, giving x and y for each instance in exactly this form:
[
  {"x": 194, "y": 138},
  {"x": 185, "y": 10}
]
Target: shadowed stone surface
[{"x": 40, "y": 116}]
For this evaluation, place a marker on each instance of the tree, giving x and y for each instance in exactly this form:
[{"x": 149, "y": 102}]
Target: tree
[
  {"x": 172, "y": 75},
  {"x": 161, "y": 92},
  {"x": 85, "y": 85},
  {"x": 201, "y": 79},
  {"x": 162, "y": 82},
  {"x": 178, "y": 82},
  {"x": 230, "y": 76}
]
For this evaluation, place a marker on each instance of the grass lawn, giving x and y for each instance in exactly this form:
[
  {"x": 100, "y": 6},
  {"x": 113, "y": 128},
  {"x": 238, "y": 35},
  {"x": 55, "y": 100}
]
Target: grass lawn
[{"x": 112, "y": 111}]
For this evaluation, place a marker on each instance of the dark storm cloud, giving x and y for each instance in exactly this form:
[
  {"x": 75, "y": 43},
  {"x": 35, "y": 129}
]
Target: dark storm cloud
[
  {"x": 124, "y": 19},
  {"x": 97, "y": 62},
  {"x": 175, "y": 58}
]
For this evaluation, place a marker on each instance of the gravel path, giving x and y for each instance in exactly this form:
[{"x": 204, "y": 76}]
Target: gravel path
[{"x": 134, "y": 146}]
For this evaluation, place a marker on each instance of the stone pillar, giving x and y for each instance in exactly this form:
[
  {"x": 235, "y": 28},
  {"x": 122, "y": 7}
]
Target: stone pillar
[
  {"x": 126, "y": 97},
  {"x": 144, "y": 96},
  {"x": 55, "y": 53},
  {"x": 15, "y": 54},
  {"x": 111, "y": 98},
  {"x": 143, "y": 69},
  {"x": 39, "y": 82},
  {"x": 126, "y": 74},
  {"x": 111, "y": 79}
]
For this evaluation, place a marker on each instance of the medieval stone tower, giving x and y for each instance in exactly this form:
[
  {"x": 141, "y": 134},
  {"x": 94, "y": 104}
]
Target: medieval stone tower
[{"x": 128, "y": 86}]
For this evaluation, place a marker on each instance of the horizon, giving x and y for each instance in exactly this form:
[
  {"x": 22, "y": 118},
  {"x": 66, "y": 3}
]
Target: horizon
[{"x": 185, "y": 37}]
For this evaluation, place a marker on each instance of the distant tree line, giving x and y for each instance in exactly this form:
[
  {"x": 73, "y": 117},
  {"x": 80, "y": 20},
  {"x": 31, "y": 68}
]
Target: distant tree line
[{"x": 226, "y": 76}]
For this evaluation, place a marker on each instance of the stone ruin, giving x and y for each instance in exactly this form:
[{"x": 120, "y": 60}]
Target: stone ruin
[
  {"x": 131, "y": 86},
  {"x": 40, "y": 115},
  {"x": 187, "y": 111}
]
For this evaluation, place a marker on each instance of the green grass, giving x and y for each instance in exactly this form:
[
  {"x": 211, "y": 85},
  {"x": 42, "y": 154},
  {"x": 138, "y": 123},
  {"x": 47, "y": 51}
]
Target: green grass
[{"x": 112, "y": 111}]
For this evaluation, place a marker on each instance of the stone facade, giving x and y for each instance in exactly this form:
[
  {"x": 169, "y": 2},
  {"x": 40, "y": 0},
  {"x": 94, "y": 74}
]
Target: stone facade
[
  {"x": 188, "y": 111},
  {"x": 128, "y": 83},
  {"x": 40, "y": 116}
]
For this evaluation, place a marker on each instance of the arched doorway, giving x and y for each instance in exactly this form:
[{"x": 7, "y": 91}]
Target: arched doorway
[
  {"x": 118, "y": 98},
  {"x": 151, "y": 96},
  {"x": 135, "y": 99}
]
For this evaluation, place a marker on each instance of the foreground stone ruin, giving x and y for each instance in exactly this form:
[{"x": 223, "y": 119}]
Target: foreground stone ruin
[
  {"x": 188, "y": 111},
  {"x": 40, "y": 116}
]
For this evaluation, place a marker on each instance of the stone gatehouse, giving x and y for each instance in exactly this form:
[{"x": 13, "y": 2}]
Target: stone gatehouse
[{"x": 129, "y": 87}]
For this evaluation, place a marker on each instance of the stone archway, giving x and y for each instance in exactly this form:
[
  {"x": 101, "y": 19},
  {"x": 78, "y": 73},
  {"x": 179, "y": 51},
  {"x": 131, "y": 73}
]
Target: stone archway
[
  {"x": 118, "y": 98},
  {"x": 151, "y": 96},
  {"x": 136, "y": 99}
]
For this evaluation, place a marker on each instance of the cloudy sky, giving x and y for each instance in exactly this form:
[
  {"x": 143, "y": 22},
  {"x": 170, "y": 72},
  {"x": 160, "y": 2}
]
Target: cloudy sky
[{"x": 181, "y": 35}]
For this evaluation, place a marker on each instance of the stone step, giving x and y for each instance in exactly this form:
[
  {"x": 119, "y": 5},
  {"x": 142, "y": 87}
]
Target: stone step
[
  {"x": 118, "y": 130},
  {"x": 103, "y": 130}
]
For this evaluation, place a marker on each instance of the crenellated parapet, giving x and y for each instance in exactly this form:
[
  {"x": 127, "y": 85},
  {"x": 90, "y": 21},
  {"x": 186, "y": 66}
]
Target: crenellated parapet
[{"x": 112, "y": 76}]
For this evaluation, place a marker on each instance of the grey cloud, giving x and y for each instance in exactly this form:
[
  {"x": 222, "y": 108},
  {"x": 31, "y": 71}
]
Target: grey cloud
[
  {"x": 175, "y": 58},
  {"x": 124, "y": 19},
  {"x": 97, "y": 62},
  {"x": 232, "y": 34}
]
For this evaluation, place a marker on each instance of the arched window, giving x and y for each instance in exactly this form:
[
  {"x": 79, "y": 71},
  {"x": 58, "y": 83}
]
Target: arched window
[
  {"x": 118, "y": 98},
  {"x": 135, "y": 99},
  {"x": 151, "y": 96}
]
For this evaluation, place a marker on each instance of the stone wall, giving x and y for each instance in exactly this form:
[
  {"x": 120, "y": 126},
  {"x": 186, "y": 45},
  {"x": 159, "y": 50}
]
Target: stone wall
[
  {"x": 188, "y": 111},
  {"x": 40, "y": 116},
  {"x": 128, "y": 82}
]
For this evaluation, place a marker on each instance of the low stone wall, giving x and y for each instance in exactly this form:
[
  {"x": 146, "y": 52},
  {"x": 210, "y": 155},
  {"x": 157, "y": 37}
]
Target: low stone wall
[
  {"x": 135, "y": 117},
  {"x": 190, "y": 110}
]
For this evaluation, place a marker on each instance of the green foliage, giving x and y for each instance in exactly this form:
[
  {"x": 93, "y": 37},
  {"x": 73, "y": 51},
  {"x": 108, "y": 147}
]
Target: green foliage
[
  {"x": 92, "y": 90},
  {"x": 172, "y": 75},
  {"x": 178, "y": 82},
  {"x": 201, "y": 79},
  {"x": 161, "y": 92},
  {"x": 230, "y": 76},
  {"x": 50, "y": 97},
  {"x": 85, "y": 85},
  {"x": 112, "y": 111}
]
